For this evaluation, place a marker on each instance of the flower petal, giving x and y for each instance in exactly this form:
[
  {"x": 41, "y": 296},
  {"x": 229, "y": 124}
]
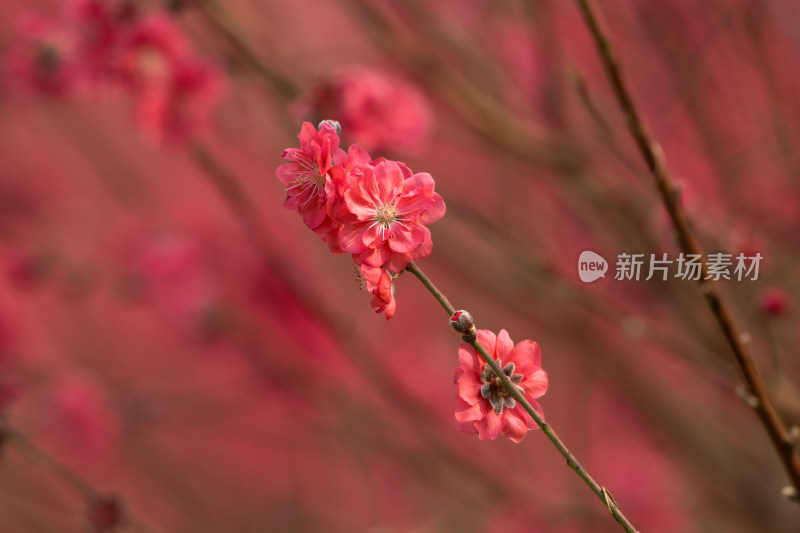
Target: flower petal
[
  {"x": 503, "y": 347},
  {"x": 433, "y": 211},
  {"x": 488, "y": 339},
  {"x": 489, "y": 427},
  {"x": 372, "y": 236},
  {"x": 467, "y": 427},
  {"x": 535, "y": 384},
  {"x": 350, "y": 238},
  {"x": 527, "y": 356},
  {"x": 514, "y": 425},
  {"x": 390, "y": 179},
  {"x": 359, "y": 204},
  {"x": 405, "y": 240},
  {"x": 469, "y": 388},
  {"x": 469, "y": 359},
  {"x": 472, "y": 413},
  {"x": 375, "y": 256}
]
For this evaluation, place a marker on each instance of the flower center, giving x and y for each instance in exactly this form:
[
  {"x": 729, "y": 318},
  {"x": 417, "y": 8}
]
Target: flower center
[
  {"x": 385, "y": 214},
  {"x": 308, "y": 183},
  {"x": 494, "y": 391}
]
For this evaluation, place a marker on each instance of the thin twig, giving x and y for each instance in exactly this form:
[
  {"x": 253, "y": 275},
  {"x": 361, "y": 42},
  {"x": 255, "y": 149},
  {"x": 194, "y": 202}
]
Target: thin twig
[
  {"x": 654, "y": 158},
  {"x": 601, "y": 492},
  {"x": 223, "y": 24}
]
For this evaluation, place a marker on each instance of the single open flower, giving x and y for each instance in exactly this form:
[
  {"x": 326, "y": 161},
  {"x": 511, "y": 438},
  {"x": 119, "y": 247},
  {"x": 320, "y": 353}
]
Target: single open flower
[
  {"x": 483, "y": 405},
  {"x": 389, "y": 208},
  {"x": 306, "y": 175}
]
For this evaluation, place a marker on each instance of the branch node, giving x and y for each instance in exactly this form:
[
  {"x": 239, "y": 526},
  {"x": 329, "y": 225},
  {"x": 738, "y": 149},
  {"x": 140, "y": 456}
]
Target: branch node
[
  {"x": 658, "y": 154},
  {"x": 790, "y": 493},
  {"x": 793, "y": 434},
  {"x": 748, "y": 397},
  {"x": 608, "y": 499}
]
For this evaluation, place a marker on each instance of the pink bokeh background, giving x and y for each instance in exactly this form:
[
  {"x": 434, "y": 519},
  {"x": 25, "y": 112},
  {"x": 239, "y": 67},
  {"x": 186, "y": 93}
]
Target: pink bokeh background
[{"x": 172, "y": 338}]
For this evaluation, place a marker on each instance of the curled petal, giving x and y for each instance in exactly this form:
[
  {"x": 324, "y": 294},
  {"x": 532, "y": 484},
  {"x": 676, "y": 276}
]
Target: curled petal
[
  {"x": 472, "y": 413},
  {"x": 514, "y": 426},
  {"x": 372, "y": 236}
]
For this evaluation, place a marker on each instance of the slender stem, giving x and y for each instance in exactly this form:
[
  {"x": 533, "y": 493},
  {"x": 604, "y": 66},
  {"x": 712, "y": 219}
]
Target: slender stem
[
  {"x": 572, "y": 462},
  {"x": 441, "y": 298},
  {"x": 284, "y": 85},
  {"x": 654, "y": 158}
]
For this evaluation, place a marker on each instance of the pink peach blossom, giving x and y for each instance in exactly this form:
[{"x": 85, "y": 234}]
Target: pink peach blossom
[
  {"x": 389, "y": 209},
  {"x": 309, "y": 185},
  {"x": 378, "y": 282},
  {"x": 483, "y": 405}
]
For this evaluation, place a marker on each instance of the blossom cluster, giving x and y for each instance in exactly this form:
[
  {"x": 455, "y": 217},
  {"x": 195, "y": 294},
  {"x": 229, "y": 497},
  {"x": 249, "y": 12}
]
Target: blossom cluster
[
  {"x": 99, "y": 45},
  {"x": 375, "y": 209}
]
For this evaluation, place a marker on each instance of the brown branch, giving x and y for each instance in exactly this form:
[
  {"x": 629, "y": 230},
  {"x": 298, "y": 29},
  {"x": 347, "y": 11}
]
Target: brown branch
[{"x": 653, "y": 156}]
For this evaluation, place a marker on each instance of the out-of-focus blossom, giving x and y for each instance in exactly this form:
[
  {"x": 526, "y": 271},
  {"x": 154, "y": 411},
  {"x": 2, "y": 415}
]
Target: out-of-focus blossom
[
  {"x": 27, "y": 268},
  {"x": 774, "y": 302},
  {"x": 172, "y": 274},
  {"x": 174, "y": 90},
  {"x": 377, "y": 111},
  {"x": 389, "y": 209},
  {"x": 96, "y": 32},
  {"x": 483, "y": 405},
  {"x": 180, "y": 109},
  {"x": 41, "y": 58},
  {"x": 148, "y": 57},
  {"x": 148, "y": 50},
  {"x": 378, "y": 282},
  {"x": 81, "y": 421}
]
